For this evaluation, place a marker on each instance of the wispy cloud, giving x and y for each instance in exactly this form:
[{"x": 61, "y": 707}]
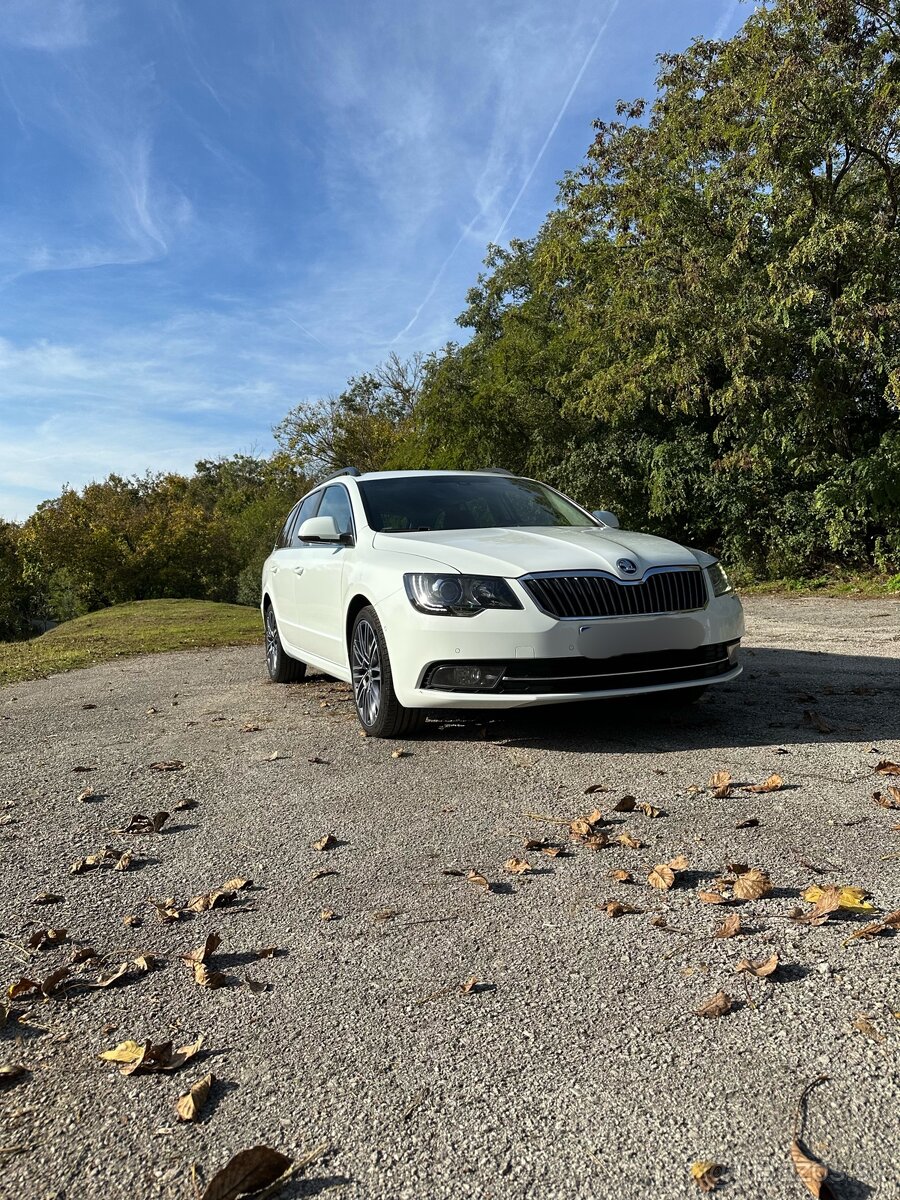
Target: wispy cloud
[{"x": 52, "y": 25}]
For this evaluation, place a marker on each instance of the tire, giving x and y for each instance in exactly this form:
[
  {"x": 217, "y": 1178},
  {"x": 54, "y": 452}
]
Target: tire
[
  {"x": 282, "y": 668},
  {"x": 380, "y": 712}
]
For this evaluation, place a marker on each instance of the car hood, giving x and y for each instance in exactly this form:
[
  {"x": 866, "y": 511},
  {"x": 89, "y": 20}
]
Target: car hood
[{"x": 513, "y": 552}]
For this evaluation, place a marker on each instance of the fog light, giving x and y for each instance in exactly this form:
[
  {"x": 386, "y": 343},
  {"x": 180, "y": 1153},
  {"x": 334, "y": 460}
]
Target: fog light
[{"x": 467, "y": 676}]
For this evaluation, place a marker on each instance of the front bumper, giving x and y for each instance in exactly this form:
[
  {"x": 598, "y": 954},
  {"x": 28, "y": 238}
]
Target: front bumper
[{"x": 549, "y": 661}]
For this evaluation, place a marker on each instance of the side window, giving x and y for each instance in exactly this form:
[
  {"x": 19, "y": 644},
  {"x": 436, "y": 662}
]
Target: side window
[
  {"x": 308, "y": 508},
  {"x": 283, "y": 538},
  {"x": 336, "y": 503}
]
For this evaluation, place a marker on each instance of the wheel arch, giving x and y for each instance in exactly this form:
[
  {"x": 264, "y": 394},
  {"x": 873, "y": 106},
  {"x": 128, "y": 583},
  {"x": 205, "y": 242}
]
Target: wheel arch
[{"x": 357, "y": 603}]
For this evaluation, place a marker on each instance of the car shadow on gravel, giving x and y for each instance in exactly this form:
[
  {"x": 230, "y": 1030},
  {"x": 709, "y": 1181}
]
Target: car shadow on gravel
[{"x": 783, "y": 696}]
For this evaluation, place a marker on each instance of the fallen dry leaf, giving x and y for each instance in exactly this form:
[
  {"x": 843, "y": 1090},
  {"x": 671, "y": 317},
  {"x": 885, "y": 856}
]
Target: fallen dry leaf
[
  {"x": 630, "y": 842},
  {"x": 328, "y": 842},
  {"x": 730, "y": 926},
  {"x": 650, "y": 810},
  {"x": 712, "y": 897},
  {"x": 720, "y": 784},
  {"x": 886, "y": 767},
  {"x": 123, "y": 863},
  {"x": 863, "y": 1025},
  {"x": 761, "y": 968},
  {"x": 752, "y": 885},
  {"x": 850, "y": 899},
  {"x": 142, "y": 823},
  {"x": 662, "y": 877},
  {"x": 817, "y": 721},
  {"x": 46, "y": 898},
  {"x": 86, "y": 794},
  {"x": 190, "y": 1105},
  {"x": 773, "y": 784},
  {"x": 10, "y": 1072},
  {"x": 478, "y": 879},
  {"x": 596, "y": 841},
  {"x": 716, "y": 1006},
  {"x": 678, "y": 863},
  {"x": 516, "y": 866},
  {"x": 401, "y": 753},
  {"x": 891, "y": 800},
  {"x": 322, "y": 872},
  {"x": 706, "y": 1175},
  {"x": 626, "y": 804},
  {"x": 385, "y": 914},
  {"x": 469, "y": 986},
  {"x": 133, "y": 1056},
  {"x": 811, "y": 1173},
  {"x": 595, "y": 787},
  {"x": 327, "y": 914},
  {"x": 747, "y": 823},
  {"x": 42, "y": 938},
  {"x": 621, "y": 876},
  {"x": 248, "y": 1171},
  {"x": 174, "y": 765},
  {"x": 250, "y": 728},
  {"x": 201, "y": 953},
  {"x": 616, "y": 908}
]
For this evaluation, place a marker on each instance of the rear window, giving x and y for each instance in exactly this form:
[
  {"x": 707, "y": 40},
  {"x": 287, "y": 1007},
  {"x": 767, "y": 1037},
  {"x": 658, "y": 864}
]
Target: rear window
[{"x": 418, "y": 503}]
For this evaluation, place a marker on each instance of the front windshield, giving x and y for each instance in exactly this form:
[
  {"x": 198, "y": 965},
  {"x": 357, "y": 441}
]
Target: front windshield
[{"x": 425, "y": 502}]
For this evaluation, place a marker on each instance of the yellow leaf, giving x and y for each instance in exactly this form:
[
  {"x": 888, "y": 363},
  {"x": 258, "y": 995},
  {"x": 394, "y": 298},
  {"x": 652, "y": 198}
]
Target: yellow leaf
[
  {"x": 705, "y": 1174},
  {"x": 125, "y": 1052},
  {"x": 851, "y": 899}
]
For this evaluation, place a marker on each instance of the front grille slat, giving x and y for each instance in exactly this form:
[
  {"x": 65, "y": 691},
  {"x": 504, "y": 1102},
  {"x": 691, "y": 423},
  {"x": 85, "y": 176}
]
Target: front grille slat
[{"x": 572, "y": 595}]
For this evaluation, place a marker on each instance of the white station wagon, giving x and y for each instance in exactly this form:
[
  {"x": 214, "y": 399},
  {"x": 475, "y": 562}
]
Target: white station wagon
[{"x": 431, "y": 590}]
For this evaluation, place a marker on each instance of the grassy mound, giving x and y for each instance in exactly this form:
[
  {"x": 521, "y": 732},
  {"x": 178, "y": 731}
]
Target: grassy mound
[{"x": 144, "y": 627}]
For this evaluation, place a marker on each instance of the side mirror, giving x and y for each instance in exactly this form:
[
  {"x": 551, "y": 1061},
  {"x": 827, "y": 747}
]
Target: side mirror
[
  {"x": 610, "y": 520},
  {"x": 319, "y": 529}
]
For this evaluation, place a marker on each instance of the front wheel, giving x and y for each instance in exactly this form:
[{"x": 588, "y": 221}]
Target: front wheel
[
  {"x": 282, "y": 668},
  {"x": 380, "y": 712}
]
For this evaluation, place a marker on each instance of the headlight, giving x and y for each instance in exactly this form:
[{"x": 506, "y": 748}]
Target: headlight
[
  {"x": 458, "y": 595},
  {"x": 721, "y": 584}
]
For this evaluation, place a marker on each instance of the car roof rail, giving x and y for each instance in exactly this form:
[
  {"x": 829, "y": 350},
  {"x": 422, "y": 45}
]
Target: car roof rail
[
  {"x": 495, "y": 471},
  {"x": 353, "y": 471}
]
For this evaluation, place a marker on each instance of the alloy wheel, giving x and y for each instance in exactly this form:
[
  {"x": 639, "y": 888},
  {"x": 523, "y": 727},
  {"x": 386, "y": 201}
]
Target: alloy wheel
[
  {"x": 271, "y": 640},
  {"x": 366, "y": 667}
]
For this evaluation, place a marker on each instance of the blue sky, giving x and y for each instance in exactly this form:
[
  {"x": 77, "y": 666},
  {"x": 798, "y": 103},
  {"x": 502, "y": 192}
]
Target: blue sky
[{"x": 212, "y": 210}]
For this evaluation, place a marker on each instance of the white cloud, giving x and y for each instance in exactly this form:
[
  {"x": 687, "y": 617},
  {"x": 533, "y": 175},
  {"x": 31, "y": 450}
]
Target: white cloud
[{"x": 51, "y": 25}]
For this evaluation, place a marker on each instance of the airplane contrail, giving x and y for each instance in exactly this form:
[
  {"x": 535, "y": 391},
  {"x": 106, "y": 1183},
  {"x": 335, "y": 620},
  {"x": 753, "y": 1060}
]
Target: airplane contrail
[{"x": 559, "y": 117}]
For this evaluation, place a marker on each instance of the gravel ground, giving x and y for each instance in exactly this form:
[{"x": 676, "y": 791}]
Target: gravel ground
[{"x": 578, "y": 1068}]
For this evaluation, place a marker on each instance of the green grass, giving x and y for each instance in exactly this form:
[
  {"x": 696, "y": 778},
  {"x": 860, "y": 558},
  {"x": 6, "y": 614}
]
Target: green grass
[
  {"x": 144, "y": 627},
  {"x": 866, "y": 586}
]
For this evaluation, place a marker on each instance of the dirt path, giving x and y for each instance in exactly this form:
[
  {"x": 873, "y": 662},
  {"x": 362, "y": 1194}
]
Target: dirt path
[{"x": 579, "y": 1069}]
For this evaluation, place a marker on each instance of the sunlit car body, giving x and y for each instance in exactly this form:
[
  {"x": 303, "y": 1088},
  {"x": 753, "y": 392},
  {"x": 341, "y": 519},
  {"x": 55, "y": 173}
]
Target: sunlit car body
[{"x": 480, "y": 590}]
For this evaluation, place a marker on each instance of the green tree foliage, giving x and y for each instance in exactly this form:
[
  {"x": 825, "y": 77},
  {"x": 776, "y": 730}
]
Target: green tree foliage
[
  {"x": 15, "y": 597},
  {"x": 704, "y": 335},
  {"x": 159, "y": 536},
  {"x": 362, "y": 427}
]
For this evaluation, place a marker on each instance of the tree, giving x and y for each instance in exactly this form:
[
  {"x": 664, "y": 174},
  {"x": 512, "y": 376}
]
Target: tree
[
  {"x": 705, "y": 333},
  {"x": 361, "y": 427}
]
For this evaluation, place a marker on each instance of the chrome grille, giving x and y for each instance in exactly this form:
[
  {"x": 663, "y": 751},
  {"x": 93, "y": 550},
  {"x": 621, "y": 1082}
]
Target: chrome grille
[{"x": 593, "y": 594}]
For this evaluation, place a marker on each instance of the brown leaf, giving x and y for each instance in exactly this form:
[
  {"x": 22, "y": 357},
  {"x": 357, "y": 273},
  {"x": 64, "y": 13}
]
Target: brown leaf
[
  {"x": 42, "y": 938},
  {"x": 124, "y": 861},
  {"x": 190, "y": 1105},
  {"x": 891, "y": 800},
  {"x": 385, "y": 914},
  {"x": 321, "y": 873},
  {"x": 720, "y": 784},
  {"x": 328, "y": 842},
  {"x": 145, "y": 963},
  {"x": 248, "y": 1171},
  {"x": 255, "y": 985},
  {"x": 863, "y": 1025},
  {"x": 626, "y": 804},
  {"x": 147, "y": 1057},
  {"x": 812, "y": 1174},
  {"x": 266, "y": 951},
  {"x": 23, "y": 987},
  {"x": 479, "y": 880},
  {"x": 616, "y": 908},
  {"x": 132, "y": 921},
  {"x": 752, "y": 885},
  {"x": 83, "y": 954},
  {"x": 761, "y": 968},
  {"x": 678, "y": 863},
  {"x": 46, "y": 898},
  {"x": 706, "y": 1175},
  {"x": 80, "y": 767},
  {"x": 828, "y": 902},
  {"x": 596, "y": 841},
  {"x": 650, "y": 810},
  {"x": 621, "y": 876},
  {"x": 10, "y": 1072},
  {"x": 629, "y": 841},
  {"x": 327, "y": 914},
  {"x": 401, "y": 753},
  {"x": 167, "y": 910},
  {"x": 716, "y": 1006},
  {"x": 736, "y": 868},
  {"x": 730, "y": 926},
  {"x": 773, "y": 784},
  {"x": 174, "y": 765},
  {"x": 205, "y": 978},
  {"x": 201, "y": 953},
  {"x": 250, "y": 728},
  {"x": 552, "y": 851},
  {"x": 516, "y": 866},
  {"x": 595, "y": 787},
  {"x": 712, "y": 897},
  {"x": 817, "y": 721},
  {"x": 469, "y": 986},
  {"x": 662, "y": 877},
  {"x": 747, "y": 823},
  {"x": 86, "y": 794},
  {"x": 886, "y": 767}
]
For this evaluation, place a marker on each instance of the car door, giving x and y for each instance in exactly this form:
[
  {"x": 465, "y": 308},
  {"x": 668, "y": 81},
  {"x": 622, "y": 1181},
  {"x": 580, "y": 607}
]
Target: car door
[
  {"x": 285, "y": 570},
  {"x": 318, "y": 584}
]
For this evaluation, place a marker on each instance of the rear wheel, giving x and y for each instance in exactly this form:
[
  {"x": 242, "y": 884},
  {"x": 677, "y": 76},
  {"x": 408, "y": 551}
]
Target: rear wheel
[
  {"x": 380, "y": 712},
  {"x": 282, "y": 668}
]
